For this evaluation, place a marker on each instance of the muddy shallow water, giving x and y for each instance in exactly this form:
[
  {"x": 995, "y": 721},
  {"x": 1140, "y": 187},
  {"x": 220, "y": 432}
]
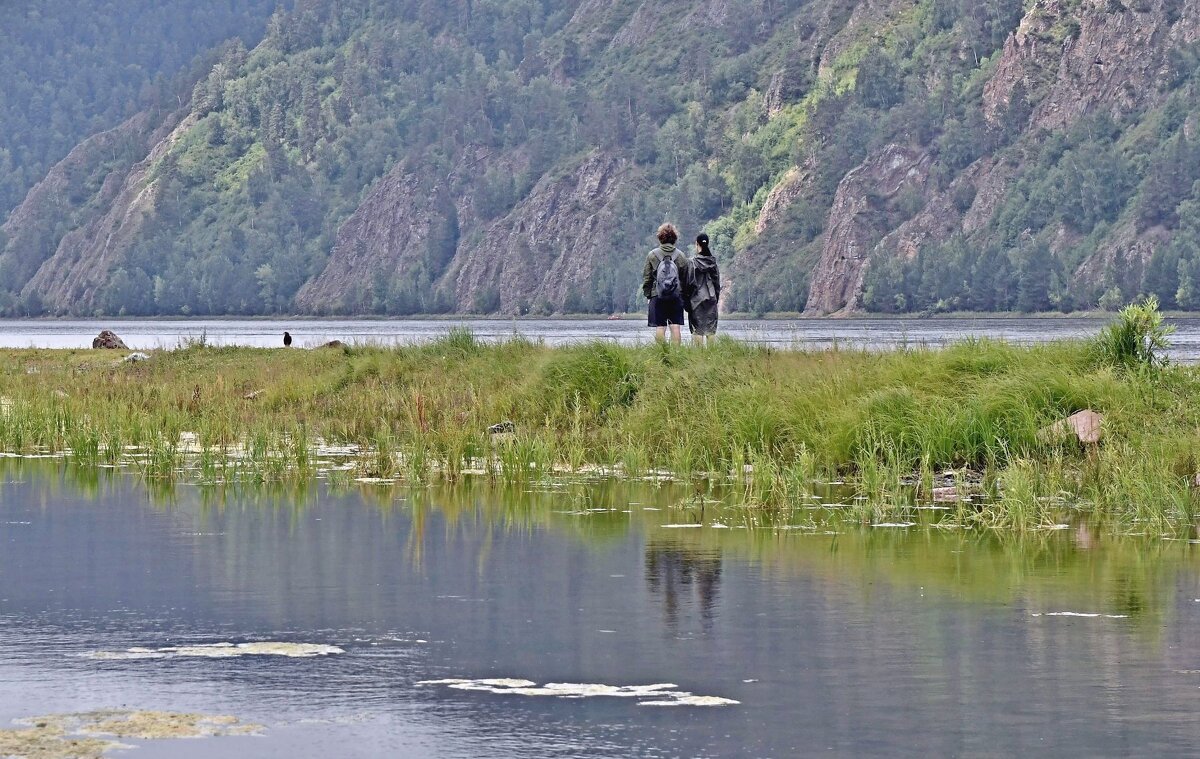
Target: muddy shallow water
[{"x": 585, "y": 620}]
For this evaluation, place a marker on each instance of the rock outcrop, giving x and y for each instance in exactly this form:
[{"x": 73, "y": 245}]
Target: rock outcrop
[
  {"x": 858, "y": 221},
  {"x": 67, "y": 274},
  {"x": 108, "y": 340},
  {"x": 1125, "y": 248},
  {"x": 388, "y": 233},
  {"x": 537, "y": 253},
  {"x": 782, "y": 195},
  {"x": 1070, "y": 61},
  {"x": 73, "y": 278},
  {"x": 543, "y": 249},
  {"x": 1117, "y": 61},
  {"x": 35, "y": 228}
]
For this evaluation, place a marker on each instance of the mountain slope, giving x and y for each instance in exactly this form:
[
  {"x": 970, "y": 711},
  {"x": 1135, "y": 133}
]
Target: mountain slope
[
  {"x": 72, "y": 69},
  {"x": 514, "y": 155}
]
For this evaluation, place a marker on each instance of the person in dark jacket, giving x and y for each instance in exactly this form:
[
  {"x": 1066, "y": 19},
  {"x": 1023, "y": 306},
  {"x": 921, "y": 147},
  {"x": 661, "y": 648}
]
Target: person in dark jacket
[
  {"x": 665, "y": 280},
  {"x": 704, "y": 294}
]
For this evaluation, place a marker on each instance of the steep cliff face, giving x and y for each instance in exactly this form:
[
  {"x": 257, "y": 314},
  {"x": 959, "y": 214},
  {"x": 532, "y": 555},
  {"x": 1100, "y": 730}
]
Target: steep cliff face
[
  {"x": 1066, "y": 61},
  {"x": 542, "y": 252},
  {"x": 85, "y": 258},
  {"x": 36, "y": 227},
  {"x": 537, "y": 254},
  {"x": 388, "y": 232},
  {"x": 863, "y": 210},
  {"x": 1118, "y": 62},
  {"x": 76, "y": 225}
]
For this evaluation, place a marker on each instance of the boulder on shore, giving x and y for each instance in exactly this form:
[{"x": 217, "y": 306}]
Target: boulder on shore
[
  {"x": 108, "y": 340},
  {"x": 1086, "y": 427}
]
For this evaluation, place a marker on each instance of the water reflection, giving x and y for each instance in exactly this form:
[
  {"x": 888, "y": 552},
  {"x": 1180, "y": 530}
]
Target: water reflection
[
  {"x": 679, "y": 575},
  {"x": 869, "y": 642},
  {"x": 683, "y": 567}
]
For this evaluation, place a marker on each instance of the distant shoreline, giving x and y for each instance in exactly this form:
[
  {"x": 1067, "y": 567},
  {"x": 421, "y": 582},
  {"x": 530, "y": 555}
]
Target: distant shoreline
[{"x": 739, "y": 317}]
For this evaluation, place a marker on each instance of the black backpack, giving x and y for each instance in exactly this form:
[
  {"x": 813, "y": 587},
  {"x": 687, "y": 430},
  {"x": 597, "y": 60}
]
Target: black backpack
[{"x": 666, "y": 282}]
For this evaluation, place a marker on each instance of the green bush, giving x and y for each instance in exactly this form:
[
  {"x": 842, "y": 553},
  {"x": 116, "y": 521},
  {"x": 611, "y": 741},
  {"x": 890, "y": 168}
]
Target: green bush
[{"x": 1137, "y": 339}]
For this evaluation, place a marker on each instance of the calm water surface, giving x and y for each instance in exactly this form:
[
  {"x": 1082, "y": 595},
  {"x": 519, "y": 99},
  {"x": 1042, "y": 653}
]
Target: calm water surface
[
  {"x": 868, "y": 643},
  {"x": 809, "y": 333}
]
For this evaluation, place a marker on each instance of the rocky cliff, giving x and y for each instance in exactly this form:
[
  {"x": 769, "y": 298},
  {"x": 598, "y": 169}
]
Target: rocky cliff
[
  {"x": 1069, "y": 61},
  {"x": 85, "y": 258},
  {"x": 547, "y": 249},
  {"x": 74, "y": 194},
  {"x": 863, "y": 210}
]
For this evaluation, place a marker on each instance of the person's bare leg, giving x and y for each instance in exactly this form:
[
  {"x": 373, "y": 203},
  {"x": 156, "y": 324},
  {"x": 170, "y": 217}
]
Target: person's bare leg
[
  {"x": 676, "y": 334},
  {"x": 698, "y": 340},
  {"x": 660, "y": 334}
]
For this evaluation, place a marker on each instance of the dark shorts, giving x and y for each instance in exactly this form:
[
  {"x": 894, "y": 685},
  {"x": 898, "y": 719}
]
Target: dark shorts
[
  {"x": 666, "y": 311},
  {"x": 702, "y": 320}
]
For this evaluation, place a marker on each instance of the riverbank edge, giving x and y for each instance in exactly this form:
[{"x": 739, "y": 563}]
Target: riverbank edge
[
  {"x": 467, "y": 319},
  {"x": 768, "y": 423}
]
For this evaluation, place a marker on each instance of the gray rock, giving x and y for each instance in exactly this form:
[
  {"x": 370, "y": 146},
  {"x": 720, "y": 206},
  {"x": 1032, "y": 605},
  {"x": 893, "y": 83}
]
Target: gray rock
[
  {"x": 108, "y": 340},
  {"x": 1087, "y": 427}
]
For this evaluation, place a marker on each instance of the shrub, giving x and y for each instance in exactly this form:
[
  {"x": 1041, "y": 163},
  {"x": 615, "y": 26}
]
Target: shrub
[{"x": 1138, "y": 338}]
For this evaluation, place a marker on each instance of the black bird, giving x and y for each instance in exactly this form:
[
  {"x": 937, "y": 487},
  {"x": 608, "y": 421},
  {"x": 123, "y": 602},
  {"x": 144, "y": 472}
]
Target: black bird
[{"x": 287, "y": 339}]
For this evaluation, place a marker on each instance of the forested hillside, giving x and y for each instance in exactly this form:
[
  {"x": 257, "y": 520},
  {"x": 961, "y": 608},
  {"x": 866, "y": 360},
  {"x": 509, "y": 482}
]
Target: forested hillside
[
  {"x": 71, "y": 69},
  {"x": 514, "y": 155}
]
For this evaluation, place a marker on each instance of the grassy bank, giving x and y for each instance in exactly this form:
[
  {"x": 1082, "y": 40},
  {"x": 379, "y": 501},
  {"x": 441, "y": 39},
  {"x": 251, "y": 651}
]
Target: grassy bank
[{"x": 760, "y": 424}]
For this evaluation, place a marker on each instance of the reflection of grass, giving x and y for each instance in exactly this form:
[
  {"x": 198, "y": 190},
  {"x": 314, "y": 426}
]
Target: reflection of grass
[
  {"x": 1066, "y": 570},
  {"x": 775, "y": 420}
]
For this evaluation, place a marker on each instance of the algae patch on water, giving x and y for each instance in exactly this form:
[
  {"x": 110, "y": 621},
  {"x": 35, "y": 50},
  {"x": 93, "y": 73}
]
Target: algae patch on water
[
  {"x": 88, "y": 735},
  {"x": 220, "y": 651},
  {"x": 659, "y": 694},
  {"x": 51, "y": 743}
]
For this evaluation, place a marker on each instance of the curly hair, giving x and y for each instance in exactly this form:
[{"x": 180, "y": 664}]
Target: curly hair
[{"x": 667, "y": 234}]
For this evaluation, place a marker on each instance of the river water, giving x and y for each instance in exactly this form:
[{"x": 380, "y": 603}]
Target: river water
[
  {"x": 873, "y": 642},
  {"x": 805, "y": 333}
]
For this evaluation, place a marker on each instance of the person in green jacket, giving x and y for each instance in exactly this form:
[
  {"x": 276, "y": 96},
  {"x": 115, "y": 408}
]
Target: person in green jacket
[{"x": 665, "y": 279}]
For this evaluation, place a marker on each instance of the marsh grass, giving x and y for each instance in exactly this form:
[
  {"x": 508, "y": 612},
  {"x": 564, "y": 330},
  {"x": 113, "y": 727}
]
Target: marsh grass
[{"x": 770, "y": 424}]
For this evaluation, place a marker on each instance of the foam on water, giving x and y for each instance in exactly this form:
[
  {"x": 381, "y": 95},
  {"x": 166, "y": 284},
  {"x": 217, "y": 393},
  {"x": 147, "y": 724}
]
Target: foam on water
[
  {"x": 692, "y": 701},
  {"x": 659, "y": 694},
  {"x": 1088, "y": 615},
  {"x": 219, "y": 651}
]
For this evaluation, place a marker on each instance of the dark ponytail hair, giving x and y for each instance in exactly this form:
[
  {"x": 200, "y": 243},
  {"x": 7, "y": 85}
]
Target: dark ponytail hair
[{"x": 702, "y": 241}]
